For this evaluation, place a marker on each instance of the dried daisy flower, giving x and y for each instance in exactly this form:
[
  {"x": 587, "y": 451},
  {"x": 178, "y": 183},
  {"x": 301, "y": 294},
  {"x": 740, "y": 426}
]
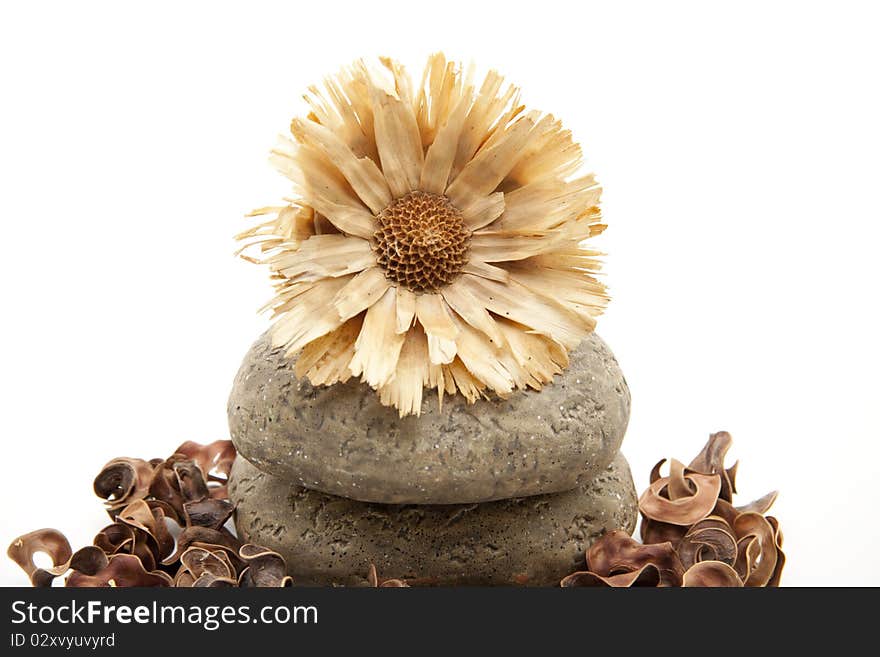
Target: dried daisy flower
[{"x": 436, "y": 238}]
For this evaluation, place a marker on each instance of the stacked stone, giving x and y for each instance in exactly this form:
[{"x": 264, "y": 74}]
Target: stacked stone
[{"x": 500, "y": 492}]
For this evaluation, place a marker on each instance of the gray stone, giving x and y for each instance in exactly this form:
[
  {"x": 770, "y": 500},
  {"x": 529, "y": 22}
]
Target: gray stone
[
  {"x": 528, "y": 541},
  {"x": 341, "y": 440}
]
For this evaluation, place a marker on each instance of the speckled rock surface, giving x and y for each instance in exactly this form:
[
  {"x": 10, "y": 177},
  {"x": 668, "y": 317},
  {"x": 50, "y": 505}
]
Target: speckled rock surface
[
  {"x": 341, "y": 440},
  {"x": 528, "y": 541}
]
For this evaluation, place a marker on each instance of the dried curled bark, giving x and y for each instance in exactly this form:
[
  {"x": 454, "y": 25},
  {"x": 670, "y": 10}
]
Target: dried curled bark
[
  {"x": 138, "y": 549},
  {"x": 692, "y": 534}
]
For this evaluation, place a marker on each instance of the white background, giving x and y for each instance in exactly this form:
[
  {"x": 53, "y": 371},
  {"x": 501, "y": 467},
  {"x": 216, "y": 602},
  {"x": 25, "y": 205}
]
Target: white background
[{"x": 738, "y": 147}]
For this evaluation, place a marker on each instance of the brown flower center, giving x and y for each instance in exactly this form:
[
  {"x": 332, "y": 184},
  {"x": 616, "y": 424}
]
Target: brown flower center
[{"x": 422, "y": 241}]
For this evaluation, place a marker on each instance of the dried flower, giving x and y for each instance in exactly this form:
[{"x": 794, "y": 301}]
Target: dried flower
[
  {"x": 436, "y": 239},
  {"x": 692, "y": 535}
]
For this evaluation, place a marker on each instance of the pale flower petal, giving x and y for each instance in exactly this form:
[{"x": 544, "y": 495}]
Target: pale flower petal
[
  {"x": 507, "y": 245},
  {"x": 324, "y": 256},
  {"x": 441, "y": 153},
  {"x": 547, "y": 204},
  {"x": 482, "y": 175},
  {"x": 378, "y": 346},
  {"x": 481, "y": 358},
  {"x": 325, "y": 361},
  {"x": 361, "y": 292},
  {"x": 519, "y": 304},
  {"x": 406, "y": 309},
  {"x": 361, "y": 173},
  {"x": 551, "y": 153},
  {"x": 479, "y": 268},
  {"x": 538, "y": 355},
  {"x": 471, "y": 309},
  {"x": 469, "y": 385},
  {"x": 325, "y": 189},
  {"x": 344, "y": 107},
  {"x": 575, "y": 290},
  {"x": 483, "y": 211},
  {"x": 433, "y": 315},
  {"x": 315, "y": 316},
  {"x": 487, "y": 109},
  {"x": 404, "y": 390},
  {"x": 439, "y": 97},
  {"x": 397, "y": 140}
]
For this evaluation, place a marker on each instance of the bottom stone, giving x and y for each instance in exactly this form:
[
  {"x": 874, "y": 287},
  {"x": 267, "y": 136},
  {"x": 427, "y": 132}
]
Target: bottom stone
[{"x": 532, "y": 541}]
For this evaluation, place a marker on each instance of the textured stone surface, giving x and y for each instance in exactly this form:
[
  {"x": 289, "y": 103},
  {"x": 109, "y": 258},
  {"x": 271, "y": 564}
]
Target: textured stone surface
[
  {"x": 528, "y": 541},
  {"x": 341, "y": 440}
]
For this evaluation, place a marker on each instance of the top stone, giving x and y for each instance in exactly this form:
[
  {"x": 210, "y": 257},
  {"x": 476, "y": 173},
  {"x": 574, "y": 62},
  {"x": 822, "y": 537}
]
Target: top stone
[{"x": 340, "y": 439}]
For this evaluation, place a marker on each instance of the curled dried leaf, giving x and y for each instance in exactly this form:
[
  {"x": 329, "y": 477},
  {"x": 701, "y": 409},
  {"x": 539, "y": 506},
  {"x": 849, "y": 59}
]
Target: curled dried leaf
[
  {"x": 182, "y": 490},
  {"x": 761, "y": 505},
  {"x": 204, "y": 536},
  {"x": 647, "y": 575},
  {"x": 682, "y": 498},
  {"x": 265, "y": 568},
  {"x": 190, "y": 480},
  {"x": 165, "y": 492},
  {"x": 757, "y": 544},
  {"x": 211, "y": 581},
  {"x": 198, "y": 561},
  {"x": 215, "y": 461},
  {"x": 87, "y": 560},
  {"x": 711, "y": 574},
  {"x": 780, "y": 555},
  {"x": 711, "y": 539},
  {"x": 151, "y": 523},
  {"x": 115, "y": 538},
  {"x": 654, "y": 531},
  {"x": 617, "y": 553},
  {"x": 726, "y": 511},
  {"x": 710, "y": 460},
  {"x": 47, "y": 541},
  {"x": 120, "y": 570},
  {"x": 209, "y": 512},
  {"x": 184, "y": 579},
  {"x": 123, "y": 480}
]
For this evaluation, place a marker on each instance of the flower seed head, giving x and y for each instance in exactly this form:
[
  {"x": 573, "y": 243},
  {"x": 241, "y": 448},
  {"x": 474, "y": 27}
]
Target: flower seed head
[{"x": 422, "y": 241}]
